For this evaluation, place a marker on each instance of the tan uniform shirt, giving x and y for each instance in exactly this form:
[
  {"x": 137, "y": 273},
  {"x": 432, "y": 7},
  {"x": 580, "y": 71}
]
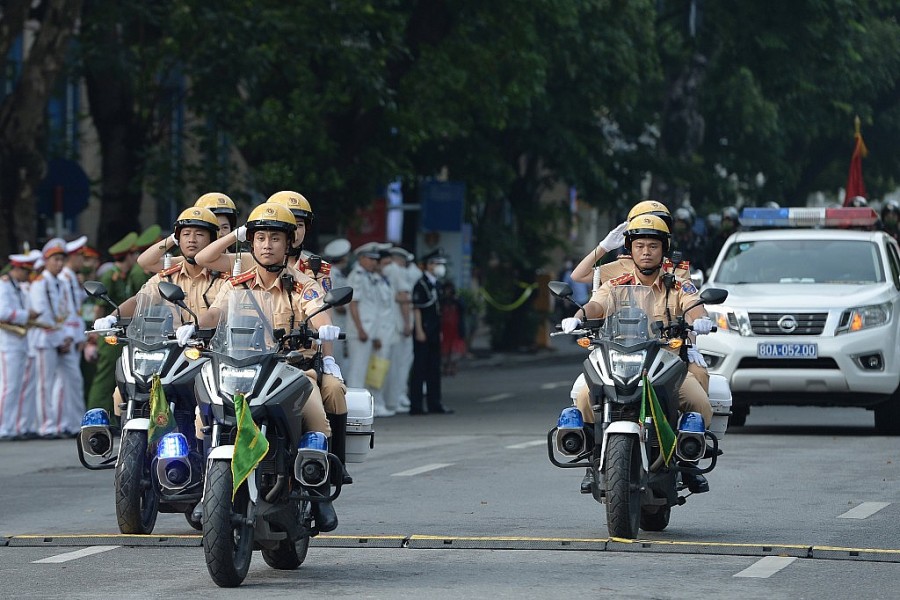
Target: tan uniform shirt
[
  {"x": 680, "y": 297},
  {"x": 305, "y": 298},
  {"x": 199, "y": 290}
]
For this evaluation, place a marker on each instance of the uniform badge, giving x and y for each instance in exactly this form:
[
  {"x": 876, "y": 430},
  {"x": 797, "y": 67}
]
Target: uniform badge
[
  {"x": 310, "y": 294},
  {"x": 326, "y": 283},
  {"x": 688, "y": 288}
]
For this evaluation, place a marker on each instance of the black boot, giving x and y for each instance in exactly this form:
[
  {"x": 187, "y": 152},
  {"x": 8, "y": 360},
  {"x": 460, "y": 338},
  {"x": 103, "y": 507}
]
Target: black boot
[
  {"x": 323, "y": 510},
  {"x": 587, "y": 482},
  {"x": 339, "y": 442},
  {"x": 695, "y": 482}
]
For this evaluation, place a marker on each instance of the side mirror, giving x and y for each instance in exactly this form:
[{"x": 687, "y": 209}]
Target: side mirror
[
  {"x": 171, "y": 292},
  {"x": 339, "y": 296},
  {"x": 713, "y": 295},
  {"x": 95, "y": 289},
  {"x": 560, "y": 289}
]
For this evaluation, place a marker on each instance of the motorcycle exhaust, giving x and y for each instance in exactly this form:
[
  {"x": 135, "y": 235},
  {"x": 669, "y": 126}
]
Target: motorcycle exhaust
[
  {"x": 691, "y": 443},
  {"x": 96, "y": 437},
  {"x": 568, "y": 439},
  {"x": 311, "y": 467},
  {"x": 173, "y": 468}
]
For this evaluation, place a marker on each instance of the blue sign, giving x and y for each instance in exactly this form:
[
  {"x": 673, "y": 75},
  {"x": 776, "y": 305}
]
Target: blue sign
[{"x": 442, "y": 205}]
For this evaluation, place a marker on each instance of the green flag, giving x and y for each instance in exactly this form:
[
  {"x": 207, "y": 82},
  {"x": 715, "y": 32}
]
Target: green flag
[
  {"x": 161, "y": 420},
  {"x": 664, "y": 432},
  {"x": 250, "y": 446}
]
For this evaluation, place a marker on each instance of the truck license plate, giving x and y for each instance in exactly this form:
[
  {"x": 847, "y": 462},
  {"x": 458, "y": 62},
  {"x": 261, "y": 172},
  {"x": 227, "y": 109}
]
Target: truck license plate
[{"x": 767, "y": 350}]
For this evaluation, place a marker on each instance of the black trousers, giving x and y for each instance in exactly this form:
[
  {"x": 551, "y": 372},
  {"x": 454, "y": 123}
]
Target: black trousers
[{"x": 426, "y": 369}]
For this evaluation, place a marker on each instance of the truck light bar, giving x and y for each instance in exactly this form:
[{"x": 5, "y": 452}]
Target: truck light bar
[{"x": 809, "y": 217}]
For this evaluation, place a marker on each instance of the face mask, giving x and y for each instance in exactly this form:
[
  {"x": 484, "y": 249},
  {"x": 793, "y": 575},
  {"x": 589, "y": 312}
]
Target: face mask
[{"x": 440, "y": 271}]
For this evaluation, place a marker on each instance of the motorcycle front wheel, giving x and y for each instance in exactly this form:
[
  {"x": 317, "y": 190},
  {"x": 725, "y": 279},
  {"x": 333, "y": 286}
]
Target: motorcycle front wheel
[
  {"x": 136, "y": 499},
  {"x": 623, "y": 486},
  {"x": 227, "y": 536}
]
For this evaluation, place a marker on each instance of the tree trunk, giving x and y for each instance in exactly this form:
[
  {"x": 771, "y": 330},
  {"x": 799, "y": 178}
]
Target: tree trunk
[{"x": 23, "y": 120}]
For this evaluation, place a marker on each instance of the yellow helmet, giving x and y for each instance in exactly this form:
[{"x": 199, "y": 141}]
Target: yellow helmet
[
  {"x": 647, "y": 226},
  {"x": 295, "y": 202},
  {"x": 197, "y": 217},
  {"x": 219, "y": 204},
  {"x": 651, "y": 207},
  {"x": 271, "y": 216}
]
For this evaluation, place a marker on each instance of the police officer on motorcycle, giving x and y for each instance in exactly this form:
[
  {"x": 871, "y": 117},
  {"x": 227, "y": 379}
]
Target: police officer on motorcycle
[{"x": 647, "y": 238}]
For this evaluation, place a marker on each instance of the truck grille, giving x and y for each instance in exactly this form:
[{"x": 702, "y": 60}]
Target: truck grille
[{"x": 806, "y": 323}]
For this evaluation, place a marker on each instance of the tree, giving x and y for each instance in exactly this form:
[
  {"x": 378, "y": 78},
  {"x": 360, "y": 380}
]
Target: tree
[{"x": 22, "y": 112}]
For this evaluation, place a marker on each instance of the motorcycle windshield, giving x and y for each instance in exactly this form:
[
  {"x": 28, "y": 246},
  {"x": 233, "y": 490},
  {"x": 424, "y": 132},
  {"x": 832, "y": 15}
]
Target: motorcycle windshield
[
  {"x": 628, "y": 312},
  {"x": 154, "y": 319},
  {"x": 245, "y": 328}
]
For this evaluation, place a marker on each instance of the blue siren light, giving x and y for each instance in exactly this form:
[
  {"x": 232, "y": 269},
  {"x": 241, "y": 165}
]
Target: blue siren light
[
  {"x": 172, "y": 445},
  {"x": 314, "y": 440},
  {"x": 96, "y": 417},
  {"x": 570, "y": 418},
  {"x": 691, "y": 422}
]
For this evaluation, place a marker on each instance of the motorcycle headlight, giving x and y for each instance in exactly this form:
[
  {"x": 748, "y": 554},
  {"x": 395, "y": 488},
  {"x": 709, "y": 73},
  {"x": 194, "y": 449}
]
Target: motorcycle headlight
[
  {"x": 233, "y": 380},
  {"x": 626, "y": 366},
  {"x": 147, "y": 363},
  {"x": 864, "y": 317}
]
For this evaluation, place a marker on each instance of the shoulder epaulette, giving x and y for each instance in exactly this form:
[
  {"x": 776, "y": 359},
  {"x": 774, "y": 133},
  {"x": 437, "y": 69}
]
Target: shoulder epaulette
[
  {"x": 171, "y": 270},
  {"x": 622, "y": 280},
  {"x": 684, "y": 265},
  {"x": 303, "y": 266},
  {"x": 242, "y": 278},
  {"x": 298, "y": 287},
  {"x": 224, "y": 275}
]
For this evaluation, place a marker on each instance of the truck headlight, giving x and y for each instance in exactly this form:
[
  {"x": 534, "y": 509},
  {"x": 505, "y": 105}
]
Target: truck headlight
[{"x": 864, "y": 317}]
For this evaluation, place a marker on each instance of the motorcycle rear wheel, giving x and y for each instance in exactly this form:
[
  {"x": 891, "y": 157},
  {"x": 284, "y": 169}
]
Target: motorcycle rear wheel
[
  {"x": 136, "y": 500},
  {"x": 656, "y": 521},
  {"x": 623, "y": 480},
  {"x": 227, "y": 537},
  {"x": 289, "y": 555}
]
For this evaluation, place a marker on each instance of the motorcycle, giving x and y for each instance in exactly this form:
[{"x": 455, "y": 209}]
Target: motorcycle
[
  {"x": 639, "y": 448},
  {"x": 272, "y": 509},
  {"x": 147, "y": 483}
]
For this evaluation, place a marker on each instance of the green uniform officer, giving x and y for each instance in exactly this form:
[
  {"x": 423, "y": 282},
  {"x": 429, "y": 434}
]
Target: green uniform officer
[{"x": 120, "y": 288}]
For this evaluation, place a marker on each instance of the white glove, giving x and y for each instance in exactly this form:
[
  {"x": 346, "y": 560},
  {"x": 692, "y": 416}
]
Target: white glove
[
  {"x": 331, "y": 367},
  {"x": 329, "y": 333},
  {"x": 184, "y": 333},
  {"x": 702, "y": 326},
  {"x": 695, "y": 357},
  {"x": 615, "y": 238},
  {"x": 570, "y": 324},
  {"x": 105, "y": 323},
  {"x": 173, "y": 239},
  {"x": 241, "y": 233}
]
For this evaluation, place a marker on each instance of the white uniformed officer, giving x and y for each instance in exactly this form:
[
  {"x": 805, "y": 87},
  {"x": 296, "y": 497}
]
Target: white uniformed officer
[
  {"x": 53, "y": 304},
  {"x": 365, "y": 331},
  {"x": 401, "y": 350},
  {"x": 69, "y": 383},
  {"x": 17, "y": 415},
  {"x": 337, "y": 252}
]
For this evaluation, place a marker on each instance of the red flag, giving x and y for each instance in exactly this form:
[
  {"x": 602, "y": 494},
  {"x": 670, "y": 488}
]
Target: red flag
[{"x": 855, "y": 185}]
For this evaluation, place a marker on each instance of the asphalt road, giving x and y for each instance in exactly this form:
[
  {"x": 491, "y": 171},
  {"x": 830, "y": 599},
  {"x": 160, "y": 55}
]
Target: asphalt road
[{"x": 803, "y": 504}]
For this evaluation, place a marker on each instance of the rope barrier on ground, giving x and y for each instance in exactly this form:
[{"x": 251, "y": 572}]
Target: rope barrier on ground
[{"x": 526, "y": 293}]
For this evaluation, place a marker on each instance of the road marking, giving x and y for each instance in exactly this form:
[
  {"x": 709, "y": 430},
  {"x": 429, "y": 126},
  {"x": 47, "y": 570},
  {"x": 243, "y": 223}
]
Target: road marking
[
  {"x": 527, "y": 444},
  {"x": 495, "y": 397},
  {"x": 61, "y": 558},
  {"x": 555, "y": 384},
  {"x": 420, "y": 470},
  {"x": 766, "y": 567},
  {"x": 866, "y": 509}
]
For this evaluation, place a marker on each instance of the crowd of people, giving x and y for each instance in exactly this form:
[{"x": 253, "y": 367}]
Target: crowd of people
[{"x": 404, "y": 326}]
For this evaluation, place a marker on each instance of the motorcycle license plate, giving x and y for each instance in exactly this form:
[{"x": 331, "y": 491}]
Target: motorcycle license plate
[{"x": 768, "y": 350}]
